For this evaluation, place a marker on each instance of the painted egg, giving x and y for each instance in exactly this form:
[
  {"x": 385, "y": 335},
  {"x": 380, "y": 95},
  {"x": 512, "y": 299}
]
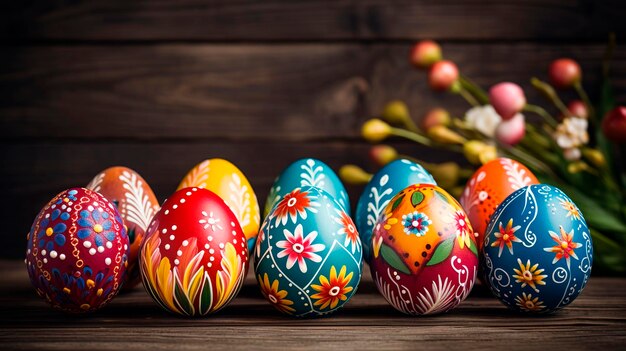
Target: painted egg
[
  {"x": 307, "y": 172},
  {"x": 194, "y": 256},
  {"x": 424, "y": 255},
  {"x": 538, "y": 251},
  {"x": 386, "y": 183},
  {"x": 228, "y": 182},
  {"x": 77, "y": 251},
  {"x": 136, "y": 203},
  {"x": 488, "y": 187},
  {"x": 308, "y": 256}
]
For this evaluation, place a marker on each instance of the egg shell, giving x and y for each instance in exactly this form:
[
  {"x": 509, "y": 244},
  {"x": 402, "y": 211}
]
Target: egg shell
[
  {"x": 307, "y": 172},
  {"x": 538, "y": 251},
  {"x": 308, "y": 256},
  {"x": 488, "y": 187},
  {"x": 136, "y": 203},
  {"x": 228, "y": 182},
  {"x": 383, "y": 186},
  {"x": 194, "y": 256},
  {"x": 424, "y": 255},
  {"x": 77, "y": 251}
]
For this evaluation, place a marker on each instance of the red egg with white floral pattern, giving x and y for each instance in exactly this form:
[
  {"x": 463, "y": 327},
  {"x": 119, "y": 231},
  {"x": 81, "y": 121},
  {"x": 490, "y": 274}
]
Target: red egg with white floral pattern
[
  {"x": 424, "y": 255},
  {"x": 77, "y": 251},
  {"x": 194, "y": 255},
  {"x": 488, "y": 187}
]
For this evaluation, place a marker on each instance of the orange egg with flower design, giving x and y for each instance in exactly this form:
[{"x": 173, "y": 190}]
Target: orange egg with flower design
[
  {"x": 424, "y": 254},
  {"x": 488, "y": 187}
]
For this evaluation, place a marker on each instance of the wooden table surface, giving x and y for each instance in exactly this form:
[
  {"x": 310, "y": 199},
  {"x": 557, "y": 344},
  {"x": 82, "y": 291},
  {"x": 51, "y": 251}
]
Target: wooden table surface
[{"x": 597, "y": 319}]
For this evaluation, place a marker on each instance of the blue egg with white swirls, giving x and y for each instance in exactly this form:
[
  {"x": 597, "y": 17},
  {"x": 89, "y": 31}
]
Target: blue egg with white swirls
[
  {"x": 308, "y": 255},
  {"x": 383, "y": 186},
  {"x": 538, "y": 250},
  {"x": 307, "y": 172}
]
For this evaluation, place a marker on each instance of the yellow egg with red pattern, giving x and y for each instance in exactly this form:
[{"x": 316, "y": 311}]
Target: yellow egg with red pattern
[{"x": 424, "y": 254}]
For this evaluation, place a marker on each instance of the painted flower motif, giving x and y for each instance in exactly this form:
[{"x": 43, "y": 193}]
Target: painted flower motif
[
  {"x": 484, "y": 119},
  {"x": 277, "y": 297},
  {"x": 293, "y": 204},
  {"x": 416, "y": 223},
  {"x": 527, "y": 303},
  {"x": 332, "y": 290},
  {"x": 506, "y": 236},
  {"x": 571, "y": 209},
  {"x": 462, "y": 229},
  {"x": 348, "y": 229},
  {"x": 209, "y": 221},
  {"x": 94, "y": 220},
  {"x": 298, "y": 248},
  {"x": 88, "y": 287},
  {"x": 51, "y": 237},
  {"x": 564, "y": 247},
  {"x": 528, "y": 275}
]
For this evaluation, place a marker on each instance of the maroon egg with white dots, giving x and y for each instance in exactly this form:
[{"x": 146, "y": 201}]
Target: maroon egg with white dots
[
  {"x": 77, "y": 251},
  {"x": 194, "y": 256}
]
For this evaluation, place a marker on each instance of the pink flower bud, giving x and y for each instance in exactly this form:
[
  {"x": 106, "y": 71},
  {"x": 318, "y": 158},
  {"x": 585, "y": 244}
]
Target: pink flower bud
[
  {"x": 578, "y": 108},
  {"x": 442, "y": 75},
  {"x": 434, "y": 117},
  {"x": 512, "y": 131},
  {"x": 564, "y": 73},
  {"x": 507, "y": 99},
  {"x": 614, "y": 125},
  {"x": 424, "y": 54}
]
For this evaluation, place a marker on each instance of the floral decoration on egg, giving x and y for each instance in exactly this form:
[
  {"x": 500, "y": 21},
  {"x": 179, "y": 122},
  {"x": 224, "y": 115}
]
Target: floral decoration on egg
[
  {"x": 228, "y": 182},
  {"x": 538, "y": 251},
  {"x": 424, "y": 255},
  {"x": 194, "y": 256},
  {"x": 383, "y": 186},
  {"x": 136, "y": 203},
  {"x": 488, "y": 187},
  {"x": 308, "y": 256},
  {"x": 307, "y": 172},
  {"x": 77, "y": 251}
]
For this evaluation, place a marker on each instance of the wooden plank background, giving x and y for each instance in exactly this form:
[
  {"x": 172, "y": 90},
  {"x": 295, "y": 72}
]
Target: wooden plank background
[{"x": 160, "y": 85}]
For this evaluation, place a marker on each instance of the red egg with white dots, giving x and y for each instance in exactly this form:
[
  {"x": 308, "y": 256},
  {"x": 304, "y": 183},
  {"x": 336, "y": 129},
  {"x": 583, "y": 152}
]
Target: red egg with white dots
[{"x": 194, "y": 256}]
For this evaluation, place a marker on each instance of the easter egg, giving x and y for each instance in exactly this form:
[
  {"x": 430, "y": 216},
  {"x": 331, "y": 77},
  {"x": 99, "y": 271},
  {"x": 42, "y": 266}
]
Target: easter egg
[
  {"x": 537, "y": 251},
  {"x": 488, "y": 187},
  {"x": 386, "y": 183},
  {"x": 194, "y": 256},
  {"x": 228, "y": 182},
  {"x": 308, "y": 256},
  {"x": 77, "y": 251},
  {"x": 307, "y": 172},
  {"x": 136, "y": 203},
  {"x": 424, "y": 256}
]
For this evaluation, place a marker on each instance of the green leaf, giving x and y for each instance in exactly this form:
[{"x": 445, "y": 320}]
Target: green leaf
[
  {"x": 392, "y": 259},
  {"x": 206, "y": 298},
  {"x": 397, "y": 203},
  {"x": 442, "y": 196},
  {"x": 182, "y": 299},
  {"x": 417, "y": 198},
  {"x": 441, "y": 252}
]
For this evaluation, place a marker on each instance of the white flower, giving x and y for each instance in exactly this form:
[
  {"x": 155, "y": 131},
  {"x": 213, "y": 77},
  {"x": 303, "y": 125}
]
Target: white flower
[
  {"x": 571, "y": 133},
  {"x": 484, "y": 119},
  {"x": 572, "y": 154}
]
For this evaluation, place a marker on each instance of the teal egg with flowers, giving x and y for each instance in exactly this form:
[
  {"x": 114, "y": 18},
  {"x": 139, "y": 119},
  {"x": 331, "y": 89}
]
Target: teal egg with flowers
[
  {"x": 383, "y": 186},
  {"x": 308, "y": 255},
  {"x": 538, "y": 250},
  {"x": 307, "y": 172}
]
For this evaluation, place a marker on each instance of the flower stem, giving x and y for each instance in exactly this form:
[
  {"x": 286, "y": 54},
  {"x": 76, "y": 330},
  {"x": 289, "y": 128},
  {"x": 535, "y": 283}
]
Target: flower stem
[
  {"x": 468, "y": 96},
  {"x": 474, "y": 89},
  {"x": 548, "y": 91},
  {"x": 407, "y": 134},
  {"x": 541, "y": 112},
  {"x": 603, "y": 238},
  {"x": 530, "y": 160},
  {"x": 585, "y": 98}
]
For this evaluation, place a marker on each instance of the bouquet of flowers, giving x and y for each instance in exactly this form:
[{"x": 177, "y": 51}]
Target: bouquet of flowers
[{"x": 574, "y": 149}]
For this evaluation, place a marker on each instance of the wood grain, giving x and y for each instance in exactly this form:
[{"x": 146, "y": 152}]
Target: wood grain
[
  {"x": 597, "y": 319},
  {"x": 274, "y": 20},
  {"x": 237, "y": 92}
]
